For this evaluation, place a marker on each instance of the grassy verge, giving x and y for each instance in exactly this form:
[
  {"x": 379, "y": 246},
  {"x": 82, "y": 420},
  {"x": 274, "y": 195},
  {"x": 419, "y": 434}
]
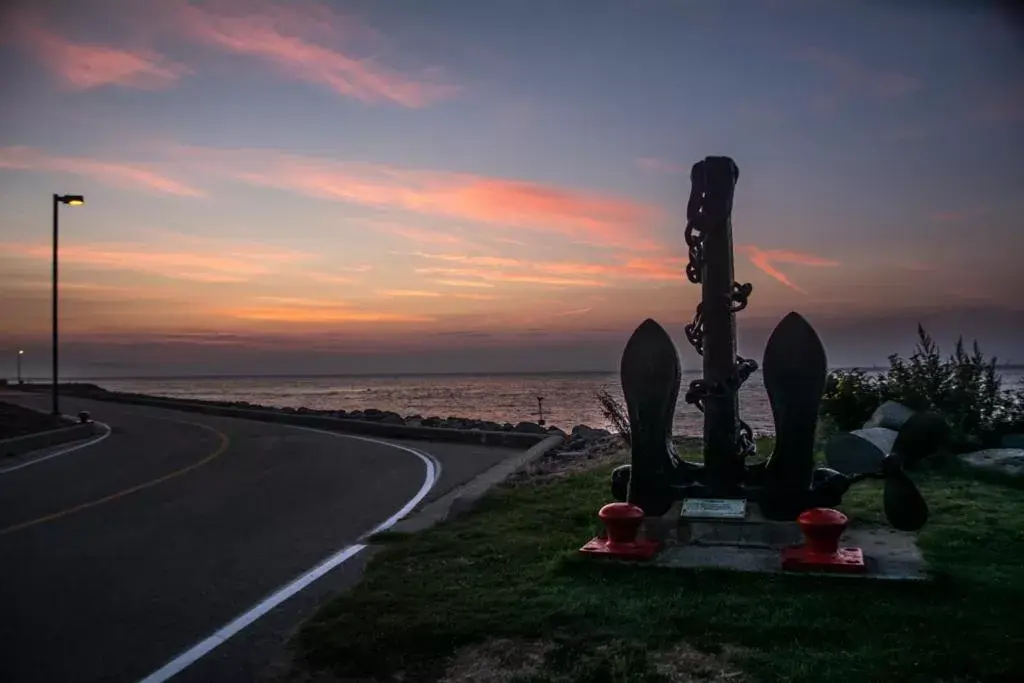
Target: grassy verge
[
  {"x": 18, "y": 421},
  {"x": 502, "y": 591}
]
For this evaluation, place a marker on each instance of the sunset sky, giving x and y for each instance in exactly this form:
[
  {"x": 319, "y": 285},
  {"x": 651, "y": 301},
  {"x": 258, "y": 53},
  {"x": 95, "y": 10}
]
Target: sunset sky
[{"x": 468, "y": 185}]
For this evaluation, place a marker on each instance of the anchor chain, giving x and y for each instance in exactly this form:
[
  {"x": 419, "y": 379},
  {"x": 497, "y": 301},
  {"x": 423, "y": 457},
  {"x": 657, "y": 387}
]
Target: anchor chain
[{"x": 701, "y": 389}]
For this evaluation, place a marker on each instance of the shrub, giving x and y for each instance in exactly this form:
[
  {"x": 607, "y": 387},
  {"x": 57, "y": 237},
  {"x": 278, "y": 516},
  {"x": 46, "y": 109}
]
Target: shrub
[
  {"x": 964, "y": 388},
  {"x": 615, "y": 413}
]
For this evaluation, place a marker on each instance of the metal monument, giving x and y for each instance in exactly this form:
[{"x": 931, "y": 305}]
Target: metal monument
[{"x": 787, "y": 482}]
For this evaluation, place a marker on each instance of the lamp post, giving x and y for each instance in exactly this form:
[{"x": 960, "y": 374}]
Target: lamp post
[
  {"x": 70, "y": 200},
  {"x": 21, "y": 352}
]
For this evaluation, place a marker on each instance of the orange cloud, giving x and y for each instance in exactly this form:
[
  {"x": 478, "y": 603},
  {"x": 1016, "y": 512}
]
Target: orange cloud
[
  {"x": 668, "y": 269},
  {"x": 418, "y": 234},
  {"x": 463, "y": 283},
  {"x": 581, "y": 215},
  {"x": 764, "y": 259},
  {"x": 113, "y": 173},
  {"x": 318, "y": 314},
  {"x": 414, "y": 293},
  {"x": 82, "y": 66},
  {"x": 233, "y": 266},
  {"x": 305, "y": 40}
]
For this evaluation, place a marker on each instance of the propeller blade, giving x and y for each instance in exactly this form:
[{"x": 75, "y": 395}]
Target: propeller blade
[
  {"x": 851, "y": 454},
  {"x": 920, "y": 436},
  {"x": 905, "y": 508}
]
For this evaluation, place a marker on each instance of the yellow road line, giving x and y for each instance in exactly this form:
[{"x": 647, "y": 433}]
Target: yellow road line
[{"x": 224, "y": 443}]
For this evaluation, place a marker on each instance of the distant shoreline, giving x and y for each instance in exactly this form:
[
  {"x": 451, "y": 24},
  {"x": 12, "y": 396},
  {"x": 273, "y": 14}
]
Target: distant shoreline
[{"x": 401, "y": 375}]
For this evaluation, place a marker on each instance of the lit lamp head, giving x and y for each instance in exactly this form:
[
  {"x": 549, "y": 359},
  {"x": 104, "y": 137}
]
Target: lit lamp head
[
  {"x": 71, "y": 199},
  {"x": 21, "y": 352}
]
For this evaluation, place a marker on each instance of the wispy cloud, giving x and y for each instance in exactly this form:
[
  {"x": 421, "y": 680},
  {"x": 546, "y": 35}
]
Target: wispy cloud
[
  {"x": 118, "y": 174},
  {"x": 318, "y": 314},
  {"x": 407, "y": 293},
  {"x": 239, "y": 265},
  {"x": 667, "y": 269},
  {"x": 83, "y": 66},
  {"x": 656, "y": 165},
  {"x": 849, "y": 78},
  {"x": 472, "y": 284},
  {"x": 579, "y": 214},
  {"x": 310, "y": 42},
  {"x": 765, "y": 260},
  {"x": 420, "y": 235}
]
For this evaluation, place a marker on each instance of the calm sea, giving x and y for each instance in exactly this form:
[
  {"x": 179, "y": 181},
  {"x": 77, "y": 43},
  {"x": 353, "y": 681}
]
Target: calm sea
[{"x": 568, "y": 399}]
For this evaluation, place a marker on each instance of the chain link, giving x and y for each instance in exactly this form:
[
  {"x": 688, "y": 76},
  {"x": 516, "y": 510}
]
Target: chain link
[{"x": 701, "y": 389}]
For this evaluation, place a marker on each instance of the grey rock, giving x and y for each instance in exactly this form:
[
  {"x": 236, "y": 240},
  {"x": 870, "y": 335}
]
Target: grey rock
[
  {"x": 392, "y": 419},
  {"x": 414, "y": 422},
  {"x": 589, "y": 433},
  {"x": 432, "y": 422},
  {"x": 1012, "y": 441},
  {"x": 556, "y": 430},
  {"x": 890, "y": 415},
  {"x": 1005, "y": 460},
  {"x": 529, "y": 428}
]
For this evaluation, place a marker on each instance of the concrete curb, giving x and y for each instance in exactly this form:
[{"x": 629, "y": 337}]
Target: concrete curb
[
  {"x": 472, "y": 436},
  {"x": 465, "y": 497},
  {"x": 20, "y": 445}
]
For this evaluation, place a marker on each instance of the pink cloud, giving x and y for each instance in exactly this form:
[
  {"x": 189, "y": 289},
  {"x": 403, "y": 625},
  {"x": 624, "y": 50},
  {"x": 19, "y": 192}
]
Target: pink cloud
[
  {"x": 764, "y": 259},
  {"x": 659, "y": 165},
  {"x": 83, "y": 66},
  {"x": 237, "y": 265},
  {"x": 112, "y": 173},
  {"x": 303, "y": 40},
  {"x": 585, "y": 216}
]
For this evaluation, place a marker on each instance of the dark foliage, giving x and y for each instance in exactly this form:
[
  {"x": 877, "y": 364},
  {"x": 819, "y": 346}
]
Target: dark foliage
[
  {"x": 964, "y": 388},
  {"x": 615, "y": 413}
]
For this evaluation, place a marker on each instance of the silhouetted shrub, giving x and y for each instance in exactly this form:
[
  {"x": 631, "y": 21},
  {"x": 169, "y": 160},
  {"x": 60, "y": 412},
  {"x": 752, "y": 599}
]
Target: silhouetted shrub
[
  {"x": 615, "y": 413},
  {"x": 964, "y": 388}
]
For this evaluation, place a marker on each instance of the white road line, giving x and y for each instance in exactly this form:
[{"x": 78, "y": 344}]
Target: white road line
[
  {"x": 59, "y": 453},
  {"x": 204, "y": 647}
]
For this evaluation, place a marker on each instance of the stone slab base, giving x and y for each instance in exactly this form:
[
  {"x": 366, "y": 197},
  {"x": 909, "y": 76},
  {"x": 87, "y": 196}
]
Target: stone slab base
[{"x": 888, "y": 554}]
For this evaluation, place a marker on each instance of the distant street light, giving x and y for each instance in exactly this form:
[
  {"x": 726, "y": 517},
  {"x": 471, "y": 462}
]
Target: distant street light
[
  {"x": 70, "y": 200},
  {"x": 21, "y": 352}
]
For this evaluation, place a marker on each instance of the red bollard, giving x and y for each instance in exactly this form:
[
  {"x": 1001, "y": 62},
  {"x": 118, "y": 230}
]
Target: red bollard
[
  {"x": 621, "y": 522},
  {"x": 822, "y": 528}
]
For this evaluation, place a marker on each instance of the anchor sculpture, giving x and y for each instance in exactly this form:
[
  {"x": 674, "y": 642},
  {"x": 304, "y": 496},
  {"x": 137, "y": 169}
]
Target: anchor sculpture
[{"x": 788, "y": 482}]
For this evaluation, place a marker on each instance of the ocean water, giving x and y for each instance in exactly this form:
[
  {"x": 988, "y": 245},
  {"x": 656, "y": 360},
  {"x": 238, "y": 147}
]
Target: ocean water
[{"x": 569, "y": 399}]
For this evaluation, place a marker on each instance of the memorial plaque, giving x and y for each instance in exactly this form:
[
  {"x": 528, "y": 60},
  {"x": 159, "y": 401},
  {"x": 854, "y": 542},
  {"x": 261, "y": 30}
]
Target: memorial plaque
[{"x": 714, "y": 508}]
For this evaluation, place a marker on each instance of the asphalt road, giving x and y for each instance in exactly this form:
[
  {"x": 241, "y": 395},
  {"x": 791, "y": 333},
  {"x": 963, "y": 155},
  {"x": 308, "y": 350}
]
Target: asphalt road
[{"x": 117, "y": 557}]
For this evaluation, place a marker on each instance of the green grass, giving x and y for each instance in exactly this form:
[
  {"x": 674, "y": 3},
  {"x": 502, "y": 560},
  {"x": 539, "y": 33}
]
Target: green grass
[{"x": 509, "y": 569}]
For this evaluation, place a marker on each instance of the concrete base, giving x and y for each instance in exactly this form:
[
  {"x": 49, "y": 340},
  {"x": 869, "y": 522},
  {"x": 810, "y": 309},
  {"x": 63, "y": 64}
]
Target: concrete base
[{"x": 755, "y": 544}]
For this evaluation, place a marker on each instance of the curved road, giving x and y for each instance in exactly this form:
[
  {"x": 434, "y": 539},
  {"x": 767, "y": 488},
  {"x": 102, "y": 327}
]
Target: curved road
[{"x": 117, "y": 557}]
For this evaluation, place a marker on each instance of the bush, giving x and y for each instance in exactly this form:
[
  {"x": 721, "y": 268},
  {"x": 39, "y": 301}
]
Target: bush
[
  {"x": 964, "y": 389},
  {"x": 616, "y": 414}
]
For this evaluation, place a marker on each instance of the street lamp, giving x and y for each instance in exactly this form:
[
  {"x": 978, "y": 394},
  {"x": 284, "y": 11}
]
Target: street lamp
[
  {"x": 70, "y": 200},
  {"x": 21, "y": 352}
]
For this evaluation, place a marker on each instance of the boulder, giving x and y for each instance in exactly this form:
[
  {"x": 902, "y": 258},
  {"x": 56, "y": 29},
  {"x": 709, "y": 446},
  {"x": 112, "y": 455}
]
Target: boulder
[
  {"x": 1005, "y": 460},
  {"x": 391, "y": 419},
  {"x": 889, "y": 415},
  {"x": 529, "y": 428},
  {"x": 432, "y": 422},
  {"x": 589, "y": 433},
  {"x": 372, "y": 414}
]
